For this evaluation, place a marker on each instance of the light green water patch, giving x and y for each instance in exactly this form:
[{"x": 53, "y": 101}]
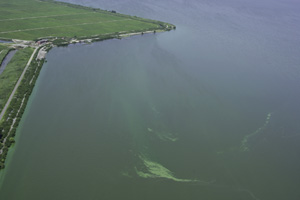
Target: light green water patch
[
  {"x": 126, "y": 174},
  {"x": 155, "y": 170},
  {"x": 154, "y": 109},
  {"x": 165, "y": 136},
  {"x": 244, "y": 144},
  {"x": 150, "y": 130}
]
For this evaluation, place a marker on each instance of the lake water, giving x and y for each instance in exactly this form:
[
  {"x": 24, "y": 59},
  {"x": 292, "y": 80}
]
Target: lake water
[{"x": 208, "y": 111}]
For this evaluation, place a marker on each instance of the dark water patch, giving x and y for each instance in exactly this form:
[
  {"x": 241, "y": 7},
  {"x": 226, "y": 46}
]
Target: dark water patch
[
  {"x": 6, "y": 60},
  {"x": 5, "y": 41}
]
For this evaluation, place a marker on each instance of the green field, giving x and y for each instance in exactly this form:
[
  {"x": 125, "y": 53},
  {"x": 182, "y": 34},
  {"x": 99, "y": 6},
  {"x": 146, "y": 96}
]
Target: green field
[
  {"x": 11, "y": 74},
  {"x": 2, "y": 47},
  {"x": 32, "y": 19}
]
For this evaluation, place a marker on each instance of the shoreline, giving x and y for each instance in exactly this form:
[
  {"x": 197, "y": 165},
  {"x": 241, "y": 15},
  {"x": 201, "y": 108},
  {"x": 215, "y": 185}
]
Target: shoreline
[
  {"x": 37, "y": 59},
  {"x": 15, "y": 105}
]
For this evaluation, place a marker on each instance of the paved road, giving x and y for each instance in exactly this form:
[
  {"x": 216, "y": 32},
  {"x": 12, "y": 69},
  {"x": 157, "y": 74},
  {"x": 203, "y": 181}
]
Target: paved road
[{"x": 16, "y": 86}]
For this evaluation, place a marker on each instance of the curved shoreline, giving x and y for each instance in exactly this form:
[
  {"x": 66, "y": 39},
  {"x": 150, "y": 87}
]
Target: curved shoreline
[
  {"x": 11, "y": 97},
  {"x": 15, "y": 105},
  {"x": 39, "y": 55}
]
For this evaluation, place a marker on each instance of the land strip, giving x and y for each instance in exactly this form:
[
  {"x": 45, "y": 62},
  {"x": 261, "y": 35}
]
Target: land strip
[
  {"x": 15, "y": 110},
  {"x": 12, "y": 126},
  {"x": 12, "y": 73},
  {"x": 16, "y": 86},
  {"x": 39, "y": 19},
  {"x": 3, "y": 52}
]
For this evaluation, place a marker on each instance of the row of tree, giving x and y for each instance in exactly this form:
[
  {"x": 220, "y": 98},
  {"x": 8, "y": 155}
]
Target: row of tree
[{"x": 17, "y": 108}]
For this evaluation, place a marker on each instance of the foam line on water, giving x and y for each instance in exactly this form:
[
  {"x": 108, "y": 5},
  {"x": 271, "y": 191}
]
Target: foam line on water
[
  {"x": 163, "y": 135},
  {"x": 244, "y": 144},
  {"x": 156, "y": 170}
]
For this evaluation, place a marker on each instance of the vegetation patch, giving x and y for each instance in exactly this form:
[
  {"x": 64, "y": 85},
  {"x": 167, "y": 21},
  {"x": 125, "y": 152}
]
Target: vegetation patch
[
  {"x": 4, "y": 50},
  {"x": 3, "y": 54},
  {"x": 31, "y": 20},
  {"x": 11, "y": 74},
  {"x": 2, "y": 47},
  {"x": 12, "y": 117}
]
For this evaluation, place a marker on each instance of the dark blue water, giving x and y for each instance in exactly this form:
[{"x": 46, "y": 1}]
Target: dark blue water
[
  {"x": 5, "y": 41},
  {"x": 209, "y": 111}
]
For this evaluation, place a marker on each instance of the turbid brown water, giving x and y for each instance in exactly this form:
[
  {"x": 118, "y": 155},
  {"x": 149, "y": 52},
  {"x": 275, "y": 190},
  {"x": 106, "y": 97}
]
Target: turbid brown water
[{"x": 209, "y": 111}]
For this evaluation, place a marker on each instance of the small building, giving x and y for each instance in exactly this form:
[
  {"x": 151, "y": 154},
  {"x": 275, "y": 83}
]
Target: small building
[{"x": 42, "y": 41}]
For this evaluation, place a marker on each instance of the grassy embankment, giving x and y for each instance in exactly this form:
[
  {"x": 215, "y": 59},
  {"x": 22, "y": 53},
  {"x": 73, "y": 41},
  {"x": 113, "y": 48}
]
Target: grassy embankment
[
  {"x": 31, "y": 19},
  {"x": 3, "y": 52},
  {"x": 12, "y": 117},
  {"x": 11, "y": 74},
  {"x": 2, "y": 47}
]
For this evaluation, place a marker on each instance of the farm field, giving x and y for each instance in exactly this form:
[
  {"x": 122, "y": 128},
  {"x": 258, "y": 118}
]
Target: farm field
[{"x": 32, "y": 19}]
